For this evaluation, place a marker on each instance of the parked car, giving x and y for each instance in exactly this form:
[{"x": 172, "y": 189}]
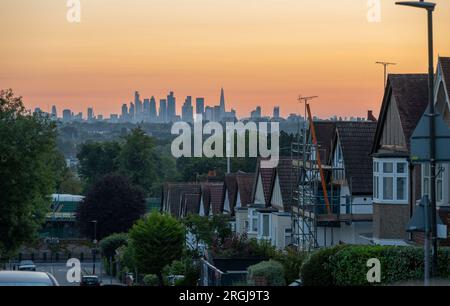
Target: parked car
[
  {"x": 90, "y": 281},
  {"x": 27, "y": 278},
  {"x": 26, "y": 265}
]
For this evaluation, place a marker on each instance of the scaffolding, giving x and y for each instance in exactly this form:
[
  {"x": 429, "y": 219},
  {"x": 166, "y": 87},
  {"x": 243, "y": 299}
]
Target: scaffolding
[{"x": 315, "y": 199}]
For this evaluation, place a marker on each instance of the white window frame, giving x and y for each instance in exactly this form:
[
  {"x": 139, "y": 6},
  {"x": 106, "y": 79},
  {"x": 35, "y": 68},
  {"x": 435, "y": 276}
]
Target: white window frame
[
  {"x": 261, "y": 226},
  {"x": 252, "y": 220},
  {"x": 379, "y": 175}
]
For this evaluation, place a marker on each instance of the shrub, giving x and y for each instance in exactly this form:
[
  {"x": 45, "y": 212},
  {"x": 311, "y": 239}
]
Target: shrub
[
  {"x": 292, "y": 261},
  {"x": 187, "y": 267},
  {"x": 316, "y": 270},
  {"x": 266, "y": 273},
  {"x": 347, "y": 265},
  {"x": 151, "y": 280}
]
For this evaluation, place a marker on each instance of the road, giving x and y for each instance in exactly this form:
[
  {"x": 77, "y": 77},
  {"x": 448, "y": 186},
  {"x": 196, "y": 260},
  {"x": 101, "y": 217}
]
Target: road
[{"x": 59, "y": 271}]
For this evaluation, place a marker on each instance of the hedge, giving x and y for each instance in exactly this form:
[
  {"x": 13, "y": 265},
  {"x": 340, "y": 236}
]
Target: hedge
[
  {"x": 347, "y": 265},
  {"x": 270, "y": 273}
]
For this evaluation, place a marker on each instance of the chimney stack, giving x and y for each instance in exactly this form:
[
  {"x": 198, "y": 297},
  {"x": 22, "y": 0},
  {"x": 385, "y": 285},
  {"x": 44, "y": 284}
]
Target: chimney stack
[{"x": 370, "y": 116}]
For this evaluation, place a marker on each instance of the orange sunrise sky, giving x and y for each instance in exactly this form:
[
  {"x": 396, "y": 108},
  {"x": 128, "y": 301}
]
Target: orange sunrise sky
[{"x": 263, "y": 52}]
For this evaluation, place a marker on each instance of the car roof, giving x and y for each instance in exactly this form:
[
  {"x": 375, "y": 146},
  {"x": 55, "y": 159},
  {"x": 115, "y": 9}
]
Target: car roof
[
  {"x": 26, "y": 262},
  {"x": 24, "y": 276}
]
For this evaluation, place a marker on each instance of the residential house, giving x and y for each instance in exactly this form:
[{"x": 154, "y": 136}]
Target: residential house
[
  {"x": 396, "y": 181},
  {"x": 179, "y": 198},
  {"x": 212, "y": 199},
  {"x": 352, "y": 175}
]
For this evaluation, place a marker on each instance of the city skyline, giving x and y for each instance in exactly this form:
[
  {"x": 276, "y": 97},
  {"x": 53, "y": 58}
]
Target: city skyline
[{"x": 266, "y": 54}]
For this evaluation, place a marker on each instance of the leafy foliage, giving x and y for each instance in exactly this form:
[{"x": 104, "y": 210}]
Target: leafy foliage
[
  {"x": 151, "y": 280},
  {"x": 114, "y": 203},
  {"x": 27, "y": 147},
  {"x": 267, "y": 273},
  {"x": 292, "y": 261},
  {"x": 158, "y": 239},
  {"x": 239, "y": 246},
  {"x": 347, "y": 265},
  {"x": 110, "y": 244}
]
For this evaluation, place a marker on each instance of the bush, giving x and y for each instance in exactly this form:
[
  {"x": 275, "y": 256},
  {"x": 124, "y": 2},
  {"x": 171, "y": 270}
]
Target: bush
[
  {"x": 109, "y": 244},
  {"x": 292, "y": 261},
  {"x": 266, "y": 273},
  {"x": 316, "y": 270},
  {"x": 347, "y": 265},
  {"x": 151, "y": 280},
  {"x": 187, "y": 267}
]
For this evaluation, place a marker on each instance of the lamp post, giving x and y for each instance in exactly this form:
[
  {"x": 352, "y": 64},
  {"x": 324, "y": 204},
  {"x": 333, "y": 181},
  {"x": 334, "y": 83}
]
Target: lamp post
[
  {"x": 95, "y": 245},
  {"x": 429, "y": 7}
]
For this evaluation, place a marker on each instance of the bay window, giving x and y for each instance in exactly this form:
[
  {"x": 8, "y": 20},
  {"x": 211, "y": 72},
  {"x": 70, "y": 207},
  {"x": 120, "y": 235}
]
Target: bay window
[
  {"x": 264, "y": 226},
  {"x": 390, "y": 180}
]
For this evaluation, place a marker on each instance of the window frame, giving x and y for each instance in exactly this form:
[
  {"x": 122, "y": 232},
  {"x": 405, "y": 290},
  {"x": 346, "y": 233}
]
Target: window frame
[{"x": 379, "y": 177}]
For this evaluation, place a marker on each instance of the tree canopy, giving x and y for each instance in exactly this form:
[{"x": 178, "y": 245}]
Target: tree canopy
[
  {"x": 114, "y": 203},
  {"x": 158, "y": 240},
  {"x": 27, "y": 148}
]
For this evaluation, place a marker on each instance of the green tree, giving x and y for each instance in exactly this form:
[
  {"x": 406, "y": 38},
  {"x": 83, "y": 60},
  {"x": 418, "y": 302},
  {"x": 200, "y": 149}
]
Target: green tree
[
  {"x": 27, "y": 146},
  {"x": 138, "y": 159},
  {"x": 96, "y": 160},
  {"x": 114, "y": 202},
  {"x": 158, "y": 240}
]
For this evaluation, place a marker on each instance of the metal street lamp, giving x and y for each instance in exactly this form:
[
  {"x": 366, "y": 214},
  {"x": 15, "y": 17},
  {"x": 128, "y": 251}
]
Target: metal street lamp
[{"x": 429, "y": 6}]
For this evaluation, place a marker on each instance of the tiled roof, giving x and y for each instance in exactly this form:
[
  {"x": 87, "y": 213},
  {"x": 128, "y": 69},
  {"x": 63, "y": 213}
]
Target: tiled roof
[
  {"x": 245, "y": 182},
  {"x": 173, "y": 194},
  {"x": 288, "y": 179},
  {"x": 324, "y": 132},
  {"x": 191, "y": 203},
  {"x": 213, "y": 195},
  {"x": 356, "y": 140},
  {"x": 267, "y": 177},
  {"x": 411, "y": 94},
  {"x": 445, "y": 64},
  {"x": 231, "y": 188}
]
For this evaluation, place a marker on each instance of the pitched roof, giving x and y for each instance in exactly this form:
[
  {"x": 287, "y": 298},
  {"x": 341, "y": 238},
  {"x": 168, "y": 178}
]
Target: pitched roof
[
  {"x": 324, "y": 133},
  {"x": 245, "y": 182},
  {"x": 288, "y": 179},
  {"x": 173, "y": 195},
  {"x": 267, "y": 178},
  {"x": 191, "y": 203},
  {"x": 411, "y": 95},
  {"x": 356, "y": 140},
  {"x": 231, "y": 188},
  {"x": 445, "y": 65},
  {"x": 213, "y": 195}
]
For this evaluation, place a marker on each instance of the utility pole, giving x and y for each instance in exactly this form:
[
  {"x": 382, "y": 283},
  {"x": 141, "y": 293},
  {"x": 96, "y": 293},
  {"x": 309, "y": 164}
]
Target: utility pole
[
  {"x": 385, "y": 66},
  {"x": 429, "y": 7}
]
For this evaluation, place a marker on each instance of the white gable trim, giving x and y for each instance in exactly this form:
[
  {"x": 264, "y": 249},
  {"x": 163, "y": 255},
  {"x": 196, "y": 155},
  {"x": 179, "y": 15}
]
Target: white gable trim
[
  {"x": 277, "y": 199},
  {"x": 259, "y": 192},
  {"x": 238, "y": 200},
  {"x": 202, "y": 208},
  {"x": 226, "y": 205}
]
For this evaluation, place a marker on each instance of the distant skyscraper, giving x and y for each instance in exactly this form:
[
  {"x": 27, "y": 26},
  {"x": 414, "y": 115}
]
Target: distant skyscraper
[
  {"x": 146, "y": 110},
  {"x": 276, "y": 112},
  {"x": 124, "y": 116},
  {"x": 131, "y": 112},
  {"x": 171, "y": 107},
  {"x": 153, "y": 114},
  {"x": 138, "y": 107},
  {"x": 209, "y": 113},
  {"x": 163, "y": 110},
  {"x": 200, "y": 106},
  {"x": 217, "y": 113},
  {"x": 90, "y": 114},
  {"x": 67, "y": 115},
  {"x": 222, "y": 105},
  {"x": 256, "y": 114},
  {"x": 187, "y": 110},
  {"x": 54, "y": 112}
]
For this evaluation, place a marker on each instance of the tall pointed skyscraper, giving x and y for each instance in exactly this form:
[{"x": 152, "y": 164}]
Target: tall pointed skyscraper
[{"x": 222, "y": 103}]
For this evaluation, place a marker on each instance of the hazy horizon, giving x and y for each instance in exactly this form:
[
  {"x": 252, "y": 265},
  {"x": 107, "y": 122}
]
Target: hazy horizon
[{"x": 263, "y": 52}]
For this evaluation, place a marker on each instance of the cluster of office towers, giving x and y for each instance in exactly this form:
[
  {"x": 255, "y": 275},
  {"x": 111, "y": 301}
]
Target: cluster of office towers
[{"x": 146, "y": 110}]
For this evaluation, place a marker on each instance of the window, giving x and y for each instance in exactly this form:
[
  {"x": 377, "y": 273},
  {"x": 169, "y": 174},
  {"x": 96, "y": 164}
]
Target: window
[
  {"x": 390, "y": 180},
  {"x": 253, "y": 220},
  {"x": 264, "y": 232},
  {"x": 426, "y": 181}
]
